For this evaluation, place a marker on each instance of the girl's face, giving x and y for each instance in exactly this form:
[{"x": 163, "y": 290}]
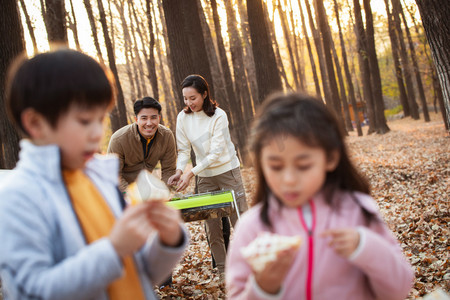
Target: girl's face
[
  {"x": 193, "y": 98},
  {"x": 295, "y": 172}
]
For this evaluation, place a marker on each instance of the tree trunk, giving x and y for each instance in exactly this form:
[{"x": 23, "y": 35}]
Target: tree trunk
[
  {"x": 351, "y": 91},
  {"x": 435, "y": 15},
  {"x": 29, "y": 26},
  {"x": 364, "y": 65},
  {"x": 297, "y": 49},
  {"x": 271, "y": 27},
  {"x": 90, "y": 14},
  {"x": 151, "y": 68},
  {"x": 11, "y": 37},
  {"x": 395, "y": 54},
  {"x": 416, "y": 69},
  {"x": 119, "y": 113},
  {"x": 287, "y": 38},
  {"x": 55, "y": 22},
  {"x": 267, "y": 74},
  {"x": 74, "y": 26},
  {"x": 237, "y": 58},
  {"x": 381, "y": 124},
  {"x": 311, "y": 57},
  {"x": 405, "y": 62},
  {"x": 320, "y": 57}
]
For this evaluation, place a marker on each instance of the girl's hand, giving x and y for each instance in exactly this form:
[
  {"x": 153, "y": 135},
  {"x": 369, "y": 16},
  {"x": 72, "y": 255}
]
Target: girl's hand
[
  {"x": 166, "y": 220},
  {"x": 131, "y": 230},
  {"x": 184, "y": 181},
  {"x": 271, "y": 278},
  {"x": 173, "y": 180},
  {"x": 344, "y": 241}
]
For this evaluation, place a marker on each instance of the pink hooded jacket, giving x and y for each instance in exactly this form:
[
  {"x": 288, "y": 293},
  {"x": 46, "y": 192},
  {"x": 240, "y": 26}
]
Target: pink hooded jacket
[{"x": 376, "y": 270}]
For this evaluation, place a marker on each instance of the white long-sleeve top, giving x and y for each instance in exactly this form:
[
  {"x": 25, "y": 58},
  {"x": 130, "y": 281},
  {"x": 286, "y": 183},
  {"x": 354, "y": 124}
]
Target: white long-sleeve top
[{"x": 210, "y": 138}]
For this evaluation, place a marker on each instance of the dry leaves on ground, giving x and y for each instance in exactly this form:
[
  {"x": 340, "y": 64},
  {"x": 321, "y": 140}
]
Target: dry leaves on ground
[{"x": 408, "y": 169}]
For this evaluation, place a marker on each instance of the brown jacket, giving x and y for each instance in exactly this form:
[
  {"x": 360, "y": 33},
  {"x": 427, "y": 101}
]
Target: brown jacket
[{"x": 126, "y": 143}]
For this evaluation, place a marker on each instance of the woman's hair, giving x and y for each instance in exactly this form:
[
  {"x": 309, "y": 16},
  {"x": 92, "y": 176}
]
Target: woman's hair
[
  {"x": 51, "y": 82},
  {"x": 307, "y": 119},
  {"x": 201, "y": 85}
]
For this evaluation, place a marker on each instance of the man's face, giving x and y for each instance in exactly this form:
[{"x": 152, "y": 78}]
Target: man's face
[{"x": 148, "y": 120}]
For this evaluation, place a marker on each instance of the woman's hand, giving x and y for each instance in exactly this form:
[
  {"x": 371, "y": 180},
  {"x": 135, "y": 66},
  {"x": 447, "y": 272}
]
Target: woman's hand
[
  {"x": 173, "y": 180},
  {"x": 271, "y": 278},
  {"x": 131, "y": 230},
  {"x": 184, "y": 181},
  {"x": 166, "y": 220},
  {"x": 344, "y": 241}
]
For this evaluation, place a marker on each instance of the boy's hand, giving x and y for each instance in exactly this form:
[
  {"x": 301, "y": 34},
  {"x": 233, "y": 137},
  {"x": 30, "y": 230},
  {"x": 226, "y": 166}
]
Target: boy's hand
[
  {"x": 271, "y": 278},
  {"x": 166, "y": 220},
  {"x": 344, "y": 241},
  {"x": 131, "y": 230}
]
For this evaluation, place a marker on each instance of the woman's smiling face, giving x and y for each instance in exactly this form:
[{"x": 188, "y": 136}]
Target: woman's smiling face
[{"x": 193, "y": 99}]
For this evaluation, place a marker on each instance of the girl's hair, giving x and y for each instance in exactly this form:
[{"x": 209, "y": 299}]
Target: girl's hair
[
  {"x": 201, "y": 85},
  {"x": 51, "y": 82},
  {"x": 307, "y": 119}
]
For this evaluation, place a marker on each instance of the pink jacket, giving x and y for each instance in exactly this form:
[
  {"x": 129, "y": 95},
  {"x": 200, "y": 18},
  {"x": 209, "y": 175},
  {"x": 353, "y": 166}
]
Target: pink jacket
[{"x": 376, "y": 270}]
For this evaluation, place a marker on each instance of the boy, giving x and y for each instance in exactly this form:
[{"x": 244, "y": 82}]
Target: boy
[{"x": 65, "y": 232}]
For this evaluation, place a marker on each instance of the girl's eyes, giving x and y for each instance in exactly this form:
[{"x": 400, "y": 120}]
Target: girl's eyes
[
  {"x": 277, "y": 168},
  {"x": 84, "y": 121},
  {"x": 304, "y": 167}
]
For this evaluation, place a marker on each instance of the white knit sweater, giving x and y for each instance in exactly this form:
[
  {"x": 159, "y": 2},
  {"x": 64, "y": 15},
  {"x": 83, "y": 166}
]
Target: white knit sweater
[{"x": 210, "y": 139}]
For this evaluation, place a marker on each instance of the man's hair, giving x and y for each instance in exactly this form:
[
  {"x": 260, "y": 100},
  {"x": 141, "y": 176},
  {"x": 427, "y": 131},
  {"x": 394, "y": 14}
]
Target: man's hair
[
  {"x": 146, "y": 102},
  {"x": 50, "y": 83}
]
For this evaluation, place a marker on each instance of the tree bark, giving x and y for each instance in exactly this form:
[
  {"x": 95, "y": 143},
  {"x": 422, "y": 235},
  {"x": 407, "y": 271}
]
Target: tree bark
[
  {"x": 119, "y": 113},
  {"x": 55, "y": 22},
  {"x": 29, "y": 26},
  {"x": 74, "y": 26},
  {"x": 90, "y": 14},
  {"x": 267, "y": 74},
  {"x": 435, "y": 15},
  {"x": 12, "y": 41},
  {"x": 416, "y": 69},
  {"x": 348, "y": 76},
  {"x": 151, "y": 68}
]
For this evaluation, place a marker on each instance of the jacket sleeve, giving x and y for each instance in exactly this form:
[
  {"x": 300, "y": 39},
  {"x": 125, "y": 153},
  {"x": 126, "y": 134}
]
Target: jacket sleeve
[
  {"x": 183, "y": 144},
  {"x": 383, "y": 262},
  {"x": 116, "y": 148},
  {"x": 28, "y": 266},
  {"x": 217, "y": 144},
  {"x": 159, "y": 260},
  {"x": 169, "y": 159}
]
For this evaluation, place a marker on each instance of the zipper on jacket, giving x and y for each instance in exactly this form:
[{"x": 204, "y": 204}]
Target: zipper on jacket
[{"x": 310, "y": 231}]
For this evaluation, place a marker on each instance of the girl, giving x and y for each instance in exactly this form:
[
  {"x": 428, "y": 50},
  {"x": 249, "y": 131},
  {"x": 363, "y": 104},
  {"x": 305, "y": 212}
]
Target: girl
[
  {"x": 307, "y": 186},
  {"x": 204, "y": 126}
]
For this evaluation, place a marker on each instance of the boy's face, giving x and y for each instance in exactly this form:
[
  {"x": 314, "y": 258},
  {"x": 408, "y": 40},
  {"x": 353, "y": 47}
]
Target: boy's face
[
  {"x": 78, "y": 134},
  {"x": 148, "y": 120}
]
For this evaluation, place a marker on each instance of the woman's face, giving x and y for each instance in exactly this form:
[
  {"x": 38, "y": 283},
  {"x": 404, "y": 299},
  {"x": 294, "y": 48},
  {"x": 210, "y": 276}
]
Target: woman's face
[{"x": 193, "y": 99}]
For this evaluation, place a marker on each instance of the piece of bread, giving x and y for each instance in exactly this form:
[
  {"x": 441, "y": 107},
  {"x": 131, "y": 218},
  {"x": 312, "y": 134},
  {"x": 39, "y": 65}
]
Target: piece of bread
[
  {"x": 265, "y": 249},
  {"x": 147, "y": 187}
]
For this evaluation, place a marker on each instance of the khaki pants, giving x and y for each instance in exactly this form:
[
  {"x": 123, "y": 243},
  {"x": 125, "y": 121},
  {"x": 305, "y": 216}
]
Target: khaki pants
[{"x": 229, "y": 180}]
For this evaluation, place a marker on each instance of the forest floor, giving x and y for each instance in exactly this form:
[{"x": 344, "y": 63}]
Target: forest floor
[{"x": 409, "y": 171}]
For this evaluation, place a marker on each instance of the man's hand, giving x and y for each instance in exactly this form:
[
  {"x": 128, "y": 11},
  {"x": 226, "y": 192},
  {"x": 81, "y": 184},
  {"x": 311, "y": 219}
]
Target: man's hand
[{"x": 344, "y": 241}]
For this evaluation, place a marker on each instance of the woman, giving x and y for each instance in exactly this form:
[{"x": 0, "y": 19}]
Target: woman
[{"x": 204, "y": 126}]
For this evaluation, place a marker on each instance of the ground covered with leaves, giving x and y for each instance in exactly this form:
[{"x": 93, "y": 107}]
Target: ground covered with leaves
[{"x": 409, "y": 170}]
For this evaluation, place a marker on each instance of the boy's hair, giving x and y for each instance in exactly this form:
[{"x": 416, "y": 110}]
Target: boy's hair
[
  {"x": 201, "y": 85},
  {"x": 307, "y": 119},
  {"x": 50, "y": 83},
  {"x": 146, "y": 102}
]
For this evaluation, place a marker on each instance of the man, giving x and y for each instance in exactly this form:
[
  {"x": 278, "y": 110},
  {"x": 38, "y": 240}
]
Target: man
[{"x": 143, "y": 144}]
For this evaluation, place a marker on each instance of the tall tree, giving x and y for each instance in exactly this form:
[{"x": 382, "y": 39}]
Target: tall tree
[
  {"x": 395, "y": 54},
  {"x": 435, "y": 15},
  {"x": 405, "y": 61},
  {"x": 416, "y": 70},
  {"x": 267, "y": 74},
  {"x": 151, "y": 68},
  {"x": 348, "y": 76},
  {"x": 29, "y": 25},
  {"x": 12, "y": 44},
  {"x": 90, "y": 14},
  {"x": 54, "y": 14},
  {"x": 119, "y": 113},
  {"x": 73, "y": 25}
]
